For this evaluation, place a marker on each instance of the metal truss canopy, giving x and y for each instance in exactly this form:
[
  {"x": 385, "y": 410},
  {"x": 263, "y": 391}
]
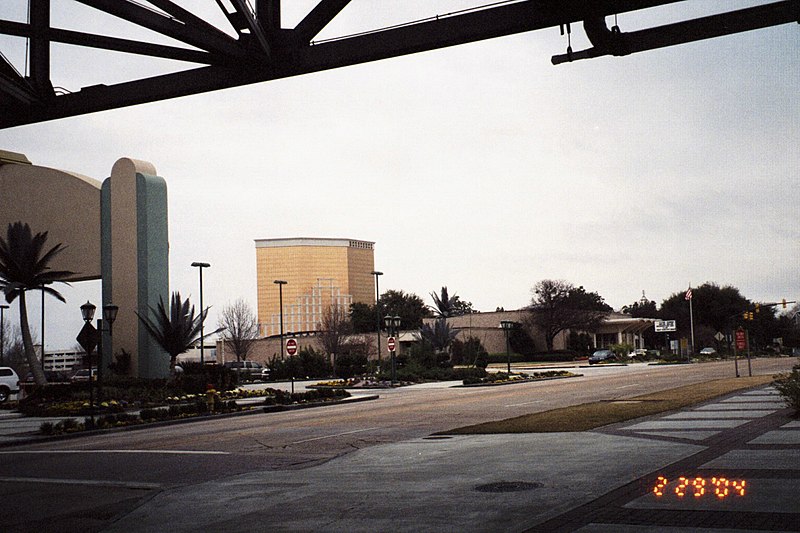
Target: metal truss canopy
[{"x": 261, "y": 50}]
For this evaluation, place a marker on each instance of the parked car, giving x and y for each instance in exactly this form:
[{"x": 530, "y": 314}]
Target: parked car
[
  {"x": 248, "y": 369},
  {"x": 708, "y": 351},
  {"x": 641, "y": 352},
  {"x": 9, "y": 382},
  {"x": 82, "y": 375},
  {"x": 52, "y": 376},
  {"x": 600, "y": 356}
]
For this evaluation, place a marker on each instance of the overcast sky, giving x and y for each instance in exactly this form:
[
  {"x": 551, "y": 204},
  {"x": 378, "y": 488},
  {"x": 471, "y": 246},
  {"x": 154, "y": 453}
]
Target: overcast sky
[{"x": 480, "y": 167}]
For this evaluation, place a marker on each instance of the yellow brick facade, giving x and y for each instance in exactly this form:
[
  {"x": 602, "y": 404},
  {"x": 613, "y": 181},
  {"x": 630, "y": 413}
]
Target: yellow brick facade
[{"x": 319, "y": 273}]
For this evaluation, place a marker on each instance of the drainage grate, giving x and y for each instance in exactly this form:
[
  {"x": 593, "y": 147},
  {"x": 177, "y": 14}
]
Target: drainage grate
[
  {"x": 508, "y": 486},
  {"x": 437, "y": 437}
]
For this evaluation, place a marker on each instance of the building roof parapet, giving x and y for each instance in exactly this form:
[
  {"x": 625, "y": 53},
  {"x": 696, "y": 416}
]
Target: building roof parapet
[{"x": 313, "y": 241}]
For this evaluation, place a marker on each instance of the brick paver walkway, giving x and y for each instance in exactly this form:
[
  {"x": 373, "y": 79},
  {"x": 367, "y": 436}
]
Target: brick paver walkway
[{"x": 752, "y": 443}]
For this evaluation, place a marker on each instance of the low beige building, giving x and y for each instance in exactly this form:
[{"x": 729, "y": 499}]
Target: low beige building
[{"x": 617, "y": 328}]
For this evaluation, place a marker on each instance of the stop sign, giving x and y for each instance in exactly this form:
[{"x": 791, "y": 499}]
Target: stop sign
[
  {"x": 391, "y": 344},
  {"x": 291, "y": 346}
]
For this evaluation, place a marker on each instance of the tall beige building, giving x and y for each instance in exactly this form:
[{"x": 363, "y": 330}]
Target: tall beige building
[{"x": 318, "y": 273}]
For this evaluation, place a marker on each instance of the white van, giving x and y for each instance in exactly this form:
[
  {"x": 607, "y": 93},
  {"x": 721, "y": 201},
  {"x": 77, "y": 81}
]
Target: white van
[{"x": 9, "y": 383}]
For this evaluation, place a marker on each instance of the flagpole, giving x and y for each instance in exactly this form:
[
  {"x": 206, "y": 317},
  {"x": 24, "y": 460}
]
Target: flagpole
[{"x": 691, "y": 316}]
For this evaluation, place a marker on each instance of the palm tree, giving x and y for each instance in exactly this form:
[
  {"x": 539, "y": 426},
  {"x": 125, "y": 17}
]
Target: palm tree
[
  {"x": 439, "y": 335},
  {"x": 443, "y": 305},
  {"x": 446, "y": 306},
  {"x": 24, "y": 267},
  {"x": 176, "y": 329}
]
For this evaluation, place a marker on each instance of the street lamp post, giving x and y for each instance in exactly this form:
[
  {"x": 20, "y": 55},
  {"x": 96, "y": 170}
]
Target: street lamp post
[
  {"x": 507, "y": 326},
  {"x": 392, "y": 324},
  {"x": 91, "y": 337},
  {"x": 378, "y": 313},
  {"x": 280, "y": 283},
  {"x": 109, "y": 316},
  {"x": 201, "y": 266},
  {"x": 88, "y": 339},
  {"x": 42, "y": 327},
  {"x": 3, "y": 307}
]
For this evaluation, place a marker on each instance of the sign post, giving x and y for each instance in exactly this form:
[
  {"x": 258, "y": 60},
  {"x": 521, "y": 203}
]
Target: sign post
[
  {"x": 291, "y": 349},
  {"x": 391, "y": 345},
  {"x": 87, "y": 338},
  {"x": 665, "y": 326},
  {"x": 739, "y": 345}
]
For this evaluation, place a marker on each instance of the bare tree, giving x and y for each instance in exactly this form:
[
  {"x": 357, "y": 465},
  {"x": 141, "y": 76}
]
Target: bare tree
[
  {"x": 240, "y": 327},
  {"x": 14, "y": 348},
  {"x": 334, "y": 331}
]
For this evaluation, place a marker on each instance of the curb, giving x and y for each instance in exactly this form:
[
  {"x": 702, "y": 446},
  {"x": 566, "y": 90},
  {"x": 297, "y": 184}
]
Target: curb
[{"x": 297, "y": 406}]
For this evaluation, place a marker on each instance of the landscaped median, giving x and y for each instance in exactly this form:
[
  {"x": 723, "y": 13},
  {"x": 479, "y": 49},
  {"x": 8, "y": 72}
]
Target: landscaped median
[
  {"x": 357, "y": 383},
  {"x": 181, "y": 408},
  {"x": 504, "y": 378},
  {"x": 589, "y": 416}
]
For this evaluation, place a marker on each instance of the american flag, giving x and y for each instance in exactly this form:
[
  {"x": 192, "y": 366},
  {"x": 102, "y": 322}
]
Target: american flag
[{"x": 689, "y": 294}]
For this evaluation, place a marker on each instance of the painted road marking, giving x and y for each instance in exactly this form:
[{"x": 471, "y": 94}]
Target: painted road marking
[
  {"x": 168, "y": 452},
  {"x": 332, "y": 436},
  {"x": 91, "y": 482},
  {"x": 524, "y": 403}
]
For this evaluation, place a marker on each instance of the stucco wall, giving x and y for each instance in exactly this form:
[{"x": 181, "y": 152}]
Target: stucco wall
[{"x": 65, "y": 204}]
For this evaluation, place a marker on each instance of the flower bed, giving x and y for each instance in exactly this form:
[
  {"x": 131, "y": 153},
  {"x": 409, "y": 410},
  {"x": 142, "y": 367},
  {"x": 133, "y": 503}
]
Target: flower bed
[
  {"x": 503, "y": 378},
  {"x": 356, "y": 383}
]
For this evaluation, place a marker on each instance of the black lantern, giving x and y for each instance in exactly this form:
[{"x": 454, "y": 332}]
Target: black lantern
[{"x": 87, "y": 311}]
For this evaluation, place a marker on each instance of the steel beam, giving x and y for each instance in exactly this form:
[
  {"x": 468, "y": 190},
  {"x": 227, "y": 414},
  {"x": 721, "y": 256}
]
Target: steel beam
[
  {"x": 233, "y": 63},
  {"x": 57, "y": 35},
  {"x": 40, "y": 46},
  {"x": 319, "y": 17},
  {"x": 624, "y": 43},
  {"x": 14, "y": 86},
  {"x": 216, "y": 42},
  {"x": 251, "y": 26}
]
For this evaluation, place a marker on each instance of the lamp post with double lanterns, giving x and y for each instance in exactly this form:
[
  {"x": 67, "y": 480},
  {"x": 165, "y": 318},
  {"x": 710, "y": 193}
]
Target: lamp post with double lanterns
[
  {"x": 378, "y": 313},
  {"x": 109, "y": 316},
  {"x": 90, "y": 337},
  {"x": 201, "y": 266},
  {"x": 280, "y": 283},
  {"x": 392, "y": 324},
  {"x": 507, "y": 326},
  {"x": 3, "y": 307}
]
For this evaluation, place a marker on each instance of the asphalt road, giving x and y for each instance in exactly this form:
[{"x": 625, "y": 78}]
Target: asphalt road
[{"x": 84, "y": 483}]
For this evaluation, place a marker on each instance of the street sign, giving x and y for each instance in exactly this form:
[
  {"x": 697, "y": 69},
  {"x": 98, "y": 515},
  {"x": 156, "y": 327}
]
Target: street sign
[
  {"x": 719, "y": 336},
  {"x": 291, "y": 346},
  {"x": 741, "y": 340},
  {"x": 665, "y": 325},
  {"x": 87, "y": 338},
  {"x": 391, "y": 344}
]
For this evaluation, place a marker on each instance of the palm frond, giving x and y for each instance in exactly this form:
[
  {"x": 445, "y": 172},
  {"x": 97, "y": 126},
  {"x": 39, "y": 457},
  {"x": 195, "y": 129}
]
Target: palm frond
[{"x": 178, "y": 328}]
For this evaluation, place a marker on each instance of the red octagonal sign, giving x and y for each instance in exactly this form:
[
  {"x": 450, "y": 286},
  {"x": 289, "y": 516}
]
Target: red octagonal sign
[{"x": 291, "y": 346}]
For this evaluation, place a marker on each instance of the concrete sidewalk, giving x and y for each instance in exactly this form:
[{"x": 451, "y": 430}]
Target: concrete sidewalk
[{"x": 596, "y": 481}]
